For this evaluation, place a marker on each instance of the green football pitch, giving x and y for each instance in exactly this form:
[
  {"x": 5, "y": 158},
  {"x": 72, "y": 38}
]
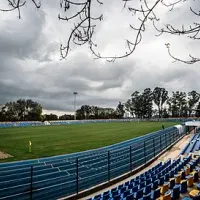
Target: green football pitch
[{"x": 62, "y": 139}]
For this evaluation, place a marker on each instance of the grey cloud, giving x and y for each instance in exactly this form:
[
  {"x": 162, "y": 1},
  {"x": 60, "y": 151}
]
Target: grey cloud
[
  {"x": 21, "y": 38},
  {"x": 29, "y": 66}
]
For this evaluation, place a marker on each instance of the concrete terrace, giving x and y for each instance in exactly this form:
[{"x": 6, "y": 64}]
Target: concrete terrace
[{"x": 173, "y": 153}]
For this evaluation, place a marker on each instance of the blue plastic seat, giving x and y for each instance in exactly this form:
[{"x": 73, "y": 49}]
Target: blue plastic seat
[
  {"x": 155, "y": 185},
  {"x": 122, "y": 190},
  {"x": 142, "y": 185},
  {"x": 186, "y": 198},
  {"x": 134, "y": 189},
  {"x": 178, "y": 167},
  {"x": 147, "y": 189},
  {"x": 137, "y": 178},
  {"x": 113, "y": 189},
  {"x": 138, "y": 194},
  {"x": 148, "y": 181},
  {"x": 196, "y": 176},
  {"x": 147, "y": 176},
  {"x": 146, "y": 197},
  {"x": 171, "y": 174},
  {"x": 153, "y": 178},
  {"x": 167, "y": 177},
  {"x": 183, "y": 187},
  {"x": 106, "y": 196},
  {"x": 115, "y": 192},
  {"x": 161, "y": 180},
  {"x": 130, "y": 197},
  {"x": 155, "y": 194},
  {"x": 106, "y": 192},
  {"x": 132, "y": 180},
  {"x": 126, "y": 193},
  {"x": 142, "y": 179},
  {"x": 126, "y": 183},
  {"x": 136, "y": 182},
  {"x": 97, "y": 196},
  {"x": 117, "y": 197},
  {"x": 130, "y": 186},
  {"x": 120, "y": 186},
  {"x": 183, "y": 175},
  {"x": 176, "y": 170},
  {"x": 175, "y": 192}
]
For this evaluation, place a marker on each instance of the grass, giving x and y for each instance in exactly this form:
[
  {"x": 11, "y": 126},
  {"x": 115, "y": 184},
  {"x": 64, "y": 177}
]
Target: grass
[{"x": 55, "y": 140}]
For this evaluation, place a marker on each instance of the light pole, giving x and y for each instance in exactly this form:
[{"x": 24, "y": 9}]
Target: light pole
[{"x": 75, "y": 93}]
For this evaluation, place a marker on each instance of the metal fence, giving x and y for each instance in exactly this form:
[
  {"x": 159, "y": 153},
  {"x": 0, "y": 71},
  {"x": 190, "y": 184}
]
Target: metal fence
[
  {"x": 56, "y": 177},
  {"x": 95, "y": 169}
]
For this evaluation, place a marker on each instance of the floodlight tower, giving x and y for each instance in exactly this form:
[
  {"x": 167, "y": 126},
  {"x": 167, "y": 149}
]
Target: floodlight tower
[{"x": 75, "y": 93}]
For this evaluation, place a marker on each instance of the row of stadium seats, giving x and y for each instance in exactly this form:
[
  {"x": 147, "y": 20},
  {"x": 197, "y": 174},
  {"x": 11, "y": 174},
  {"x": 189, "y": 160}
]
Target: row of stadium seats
[
  {"x": 20, "y": 124},
  {"x": 192, "y": 145},
  {"x": 59, "y": 176},
  {"x": 65, "y": 122},
  {"x": 168, "y": 180}
]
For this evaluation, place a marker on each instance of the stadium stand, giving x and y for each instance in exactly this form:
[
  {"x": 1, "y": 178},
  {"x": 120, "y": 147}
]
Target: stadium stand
[
  {"x": 20, "y": 124},
  {"x": 64, "y": 175},
  {"x": 65, "y": 122},
  {"x": 193, "y": 145},
  {"x": 177, "y": 179}
]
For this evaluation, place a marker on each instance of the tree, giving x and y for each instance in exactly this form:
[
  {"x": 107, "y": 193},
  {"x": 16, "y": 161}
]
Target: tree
[
  {"x": 129, "y": 106},
  {"x": 33, "y": 110},
  {"x": 137, "y": 104},
  {"x": 21, "y": 110},
  {"x": 165, "y": 114},
  {"x": 120, "y": 110},
  {"x": 178, "y": 104},
  {"x": 141, "y": 104},
  {"x": 193, "y": 98},
  {"x": 66, "y": 117},
  {"x": 160, "y": 96},
  {"x": 95, "y": 112},
  {"x": 147, "y": 105},
  {"x": 85, "y": 23},
  {"x": 198, "y": 110},
  {"x": 50, "y": 117}
]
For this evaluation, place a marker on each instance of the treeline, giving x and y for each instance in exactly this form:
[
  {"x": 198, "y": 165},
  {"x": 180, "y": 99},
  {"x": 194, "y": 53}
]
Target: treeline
[
  {"x": 179, "y": 104},
  {"x": 21, "y": 110},
  {"x": 95, "y": 112},
  {"x": 89, "y": 112},
  {"x": 146, "y": 104}
]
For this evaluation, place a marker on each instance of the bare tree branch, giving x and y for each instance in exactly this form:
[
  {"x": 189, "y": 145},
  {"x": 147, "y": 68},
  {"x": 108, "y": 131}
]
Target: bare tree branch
[
  {"x": 191, "y": 32},
  {"x": 85, "y": 23},
  {"x": 192, "y": 59},
  {"x": 83, "y": 29},
  {"x": 17, "y": 4}
]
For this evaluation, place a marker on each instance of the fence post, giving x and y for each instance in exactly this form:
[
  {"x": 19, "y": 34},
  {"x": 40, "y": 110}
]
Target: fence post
[
  {"x": 130, "y": 158},
  {"x": 171, "y": 137},
  {"x": 31, "y": 181},
  {"x": 160, "y": 144},
  {"x": 165, "y": 141},
  {"x": 108, "y": 165},
  {"x": 154, "y": 153},
  {"x": 144, "y": 152},
  {"x": 77, "y": 183}
]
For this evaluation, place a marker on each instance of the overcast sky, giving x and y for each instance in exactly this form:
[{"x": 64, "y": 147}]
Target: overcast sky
[{"x": 30, "y": 66}]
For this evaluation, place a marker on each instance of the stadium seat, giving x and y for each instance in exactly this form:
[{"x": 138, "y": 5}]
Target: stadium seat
[
  {"x": 183, "y": 186},
  {"x": 190, "y": 181},
  {"x": 155, "y": 194},
  {"x": 175, "y": 192}
]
